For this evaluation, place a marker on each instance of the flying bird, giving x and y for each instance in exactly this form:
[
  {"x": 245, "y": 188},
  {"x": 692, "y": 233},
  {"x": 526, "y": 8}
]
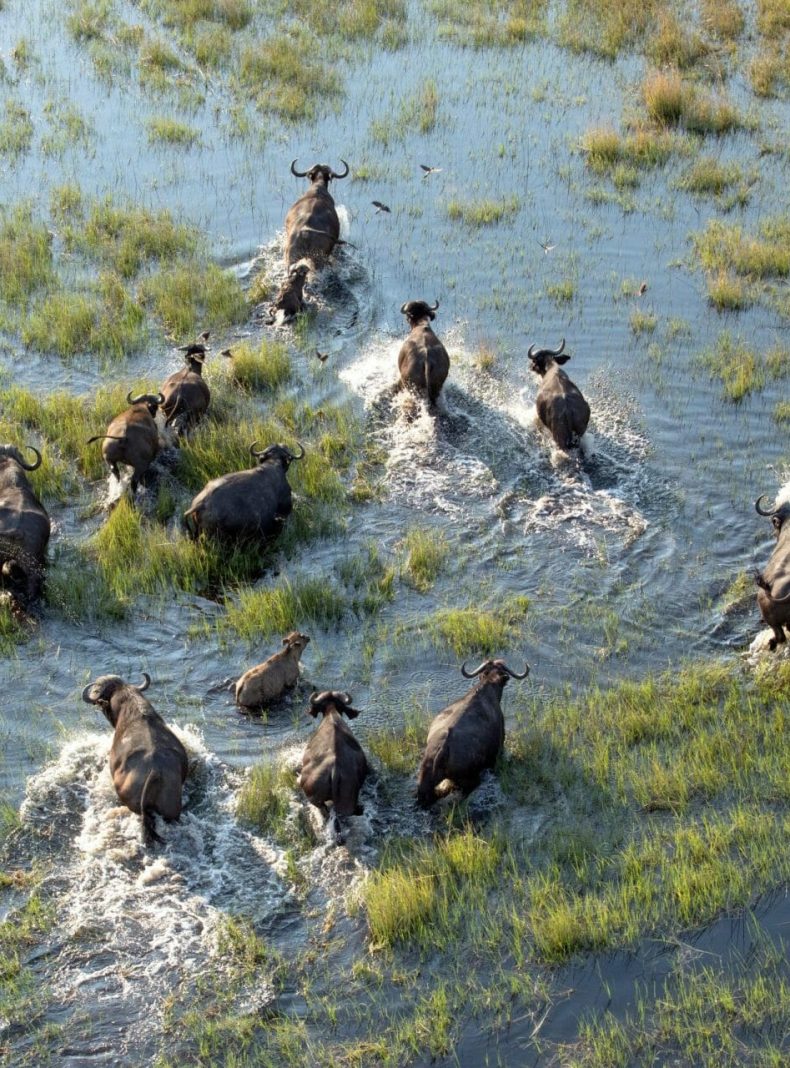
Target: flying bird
[
  {"x": 321, "y": 355},
  {"x": 546, "y": 246},
  {"x": 429, "y": 170},
  {"x": 379, "y": 206}
]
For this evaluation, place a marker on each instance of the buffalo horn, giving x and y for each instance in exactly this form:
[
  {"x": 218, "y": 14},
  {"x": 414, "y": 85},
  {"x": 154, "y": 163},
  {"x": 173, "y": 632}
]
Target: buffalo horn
[
  {"x": 532, "y": 352},
  {"x": 403, "y": 308},
  {"x": 345, "y": 172},
  {"x": 255, "y": 453},
  {"x": 472, "y": 674},
  {"x": 435, "y": 306},
  {"x": 514, "y": 674},
  {"x": 85, "y": 697},
  {"x": 146, "y": 684},
  {"x": 135, "y": 400},
  {"x": 36, "y": 465},
  {"x": 556, "y": 352},
  {"x": 301, "y": 452},
  {"x": 346, "y": 698},
  {"x": 295, "y": 173},
  {"x": 759, "y": 510}
]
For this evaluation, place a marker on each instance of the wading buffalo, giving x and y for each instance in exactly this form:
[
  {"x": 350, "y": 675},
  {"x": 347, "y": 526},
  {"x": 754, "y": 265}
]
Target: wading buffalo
[
  {"x": 148, "y": 764},
  {"x": 312, "y": 228},
  {"x": 560, "y": 404},
  {"x": 246, "y": 505},
  {"x": 773, "y": 596},
  {"x": 467, "y": 736},
  {"x": 24, "y": 528},
  {"x": 333, "y": 766},
  {"x": 289, "y": 301},
  {"x": 267, "y": 681},
  {"x": 186, "y": 394},
  {"x": 422, "y": 361},
  {"x": 132, "y": 437}
]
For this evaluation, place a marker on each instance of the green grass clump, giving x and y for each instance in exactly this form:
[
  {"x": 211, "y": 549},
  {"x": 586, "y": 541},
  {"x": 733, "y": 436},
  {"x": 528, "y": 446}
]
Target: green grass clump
[
  {"x": 773, "y": 18},
  {"x": 419, "y": 112},
  {"x": 561, "y": 292},
  {"x": 708, "y": 177},
  {"x": 172, "y": 132},
  {"x": 480, "y": 24},
  {"x": 185, "y": 14},
  {"x": 728, "y": 292},
  {"x": 399, "y": 749},
  {"x": 194, "y": 295},
  {"x": 284, "y": 76},
  {"x": 604, "y": 27},
  {"x": 723, "y": 247},
  {"x": 104, "y": 320},
  {"x": 722, "y": 18},
  {"x": 16, "y": 129},
  {"x": 640, "y": 149},
  {"x": 25, "y": 256},
  {"x": 68, "y": 129},
  {"x": 484, "y": 212},
  {"x": 263, "y": 369},
  {"x": 264, "y": 800},
  {"x": 355, "y": 20},
  {"x": 212, "y": 46},
  {"x": 673, "y": 102},
  {"x": 12, "y": 633},
  {"x": 673, "y": 44},
  {"x": 741, "y": 370},
  {"x": 643, "y": 322},
  {"x": 781, "y": 412},
  {"x": 286, "y": 606},
  {"x": 90, "y": 20},
  {"x": 465, "y": 631},
  {"x": 769, "y": 72},
  {"x": 426, "y": 553}
]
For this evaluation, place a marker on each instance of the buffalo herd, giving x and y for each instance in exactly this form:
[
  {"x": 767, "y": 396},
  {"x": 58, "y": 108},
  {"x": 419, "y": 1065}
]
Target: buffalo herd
[{"x": 147, "y": 761}]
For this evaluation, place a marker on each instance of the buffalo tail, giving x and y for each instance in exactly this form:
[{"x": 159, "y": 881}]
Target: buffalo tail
[{"x": 149, "y": 814}]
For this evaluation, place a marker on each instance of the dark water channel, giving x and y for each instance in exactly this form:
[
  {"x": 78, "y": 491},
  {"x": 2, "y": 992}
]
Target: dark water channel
[{"x": 625, "y": 556}]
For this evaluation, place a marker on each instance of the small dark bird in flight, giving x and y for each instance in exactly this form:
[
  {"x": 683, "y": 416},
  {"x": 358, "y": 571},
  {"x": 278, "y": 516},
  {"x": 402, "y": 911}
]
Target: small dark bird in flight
[
  {"x": 227, "y": 353},
  {"x": 429, "y": 170},
  {"x": 546, "y": 246},
  {"x": 643, "y": 289},
  {"x": 321, "y": 355},
  {"x": 379, "y": 206}
]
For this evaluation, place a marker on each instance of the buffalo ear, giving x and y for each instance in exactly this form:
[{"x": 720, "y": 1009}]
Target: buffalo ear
[
  {"x": 313, "y": 710},
  {"x": 561, "y": 359},
  {"x": 777, "y": 523},
  {"x": 352, "y": 713}
]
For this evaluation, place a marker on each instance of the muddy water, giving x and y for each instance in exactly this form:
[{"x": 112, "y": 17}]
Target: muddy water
[{"x": 624, "y": 551}]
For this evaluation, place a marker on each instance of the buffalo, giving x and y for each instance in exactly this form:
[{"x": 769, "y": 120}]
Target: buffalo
[
  {"x": 132, "y": 437},
  {"x": 24, "y": 528},
  {"x": 289, "y": 301},
  {"x": 186, "y": 393},
  {"x": 773, "y": 595},
  {"x": 466, "y": 737},
  {"x": 560, "y": 404},
  {"x": 148, "y": 763},
  {"x": 334, "y": 766},
  {"x": 422, "y": 361},
  {"x": 266, "y": 682},
  {"x": 246, "y": 505},
  {"x": 312, "y": 228}
]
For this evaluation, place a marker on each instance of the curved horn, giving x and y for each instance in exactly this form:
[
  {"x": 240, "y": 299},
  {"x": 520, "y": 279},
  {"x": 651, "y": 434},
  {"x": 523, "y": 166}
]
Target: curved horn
[
  {"x": 85, "y": 697},
  {"x": 471, "y": 675},
  {"x": 530, "y": 353},
  {"x": 556, "y": 352},
  {"x": 301, "y": 452},
  {"x": 759, "y": 510},
  {"x": 135, "y": 400},
  {"x": 295, "y": 173},
  {"x": 146, "y": 684},
  {"x": 255, "y": 453},
  {"x": 36, "y": 465},
  {"x": 403, "y": 307},
  {"x": 160, "y": 399},
  {"x": 346, "y": 698},
  {"x": 314, "y": 697},
  {"x": 345, "y": 172},
  {"x": 435, "y": 306},
  {"x": 515, "y": 674}
]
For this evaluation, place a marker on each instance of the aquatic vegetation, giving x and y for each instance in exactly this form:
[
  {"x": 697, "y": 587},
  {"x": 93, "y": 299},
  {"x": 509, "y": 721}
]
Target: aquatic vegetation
[
  {"x": 478, "y": 24},
  {"x": 728, "y": 292},
  {"x": 25, "y": 256},
  {"x": 642, "y": 322},
  {"x": 708, "y": 177},
  {"x": 675, "y": 44},
  {"x": 68, "y": 129},
  {"x": 722, "y": 18},
  {"x": 12, "y": 633},
  {"x": 284, "y": 77},
  {"x": 673, "y": 102},
  {"x": 172, "y": 132},
  {"x": 726, "y": 247},
  {"x": 642, "y": 148},
  {"x": 604, "y": 27},
  {"x": 426, "y": 553},
  {"x": 266, "y": 368},
  {"x": 16, "y": 129},
  {"x": 483, "y": 212},
  {"x": 264, "y": 801},
  {"x": 769, "y": 72},
  {"x": 562, "y": 292},
  {"x": 286, "y": 606},
  {"x": 192, "y": 296},
  {"x": 399, "y": 750},
  {"x": 741, "y": 370},
  {"x": 476, "y": 630}
]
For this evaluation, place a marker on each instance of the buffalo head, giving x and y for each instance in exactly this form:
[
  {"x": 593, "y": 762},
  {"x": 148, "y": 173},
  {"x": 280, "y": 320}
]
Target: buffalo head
[
  {"x": 776, "y": 515},
  {"x": 295, "y": 640},
  {"x": 321, "y": 703},
  {"x": 495, "y": 671},
  {"x": 542, "y": 359},
  {"x": 319, "y": 172},
  {"x": 101, "y": 690},
  {"x": 13, "y": 453},
  {"x": 276, "y": 452},
  {"x": 151, "y": 400},
  {"x": 417, "y": 310}
]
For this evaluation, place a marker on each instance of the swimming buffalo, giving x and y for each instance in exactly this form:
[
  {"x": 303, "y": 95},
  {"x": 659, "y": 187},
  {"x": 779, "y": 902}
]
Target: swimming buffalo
[
  {"x": 24, "y": 528},
  {"x": 334, "y": 766},
  {"x": 312, "y": 228},
  {"x": 246, "y": 505},
  {"x": 267, "y": 681},
  {"x": 186, "y": 393},
  {"x": 773, "y": 596},
  {"x": 422, "y": 361},
  {"x": 466, "y": 737},
  {"x": 560, "y": 404},
  {"x": 289, "y": 301},
  {"x": 148, "y": 763},
  {"x": 132, "y": 437}
]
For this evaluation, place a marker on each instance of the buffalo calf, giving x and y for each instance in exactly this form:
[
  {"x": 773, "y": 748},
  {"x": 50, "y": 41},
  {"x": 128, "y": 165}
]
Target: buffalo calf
[
  {"x": 266, "y": 682},
  {"x": 132, "y": 437}
]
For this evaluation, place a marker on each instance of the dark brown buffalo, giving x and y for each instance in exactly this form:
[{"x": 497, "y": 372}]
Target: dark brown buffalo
[
  {"x": 312, "y": 228},
  {"x": 266, "y": 682},
  {"x": 422, "y": 361},
  {"x": 466, "y": 737},
  {"x": 132, "y": 437},
  {"x": 246, "y": 505},
  {"x": 289, "y": 301},
  {"x": 186, "y": 393},
  {"x": 24, "y": 528},
  {"x": 773, "y": 596},
  {"x": 560, "y": 404},
  {"x": 334, "y": 766},
  {"x": 148, "y": 763}
]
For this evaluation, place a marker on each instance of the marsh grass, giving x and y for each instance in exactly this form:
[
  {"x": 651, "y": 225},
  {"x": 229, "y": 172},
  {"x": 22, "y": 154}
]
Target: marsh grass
[
  {"x": 604, "y": 27},
  {"x": 163, "y": 130},
  {"x": 672, "y": 102},
  {"x": 399, "y": 750},
  {"x": 419, "y": 112},
  {"x": 709, "y": 177},
  {"x": 642, "y": 322},
  {"x": 781, "y": 413},
  {"x": 609, "y": 152},
  {"x": 264, "y": 801},
  {"x": 25, "y": 256},
  {"x": 68, "y": 129},
  {"x": 769, "y": 72},
  {"x": 192, "y": 296},
  {"x": 722, "y": 18},
  {"x": 16, "y": 129},
  {"x": 674, "y": 44},
  {"x": 285, "y": 606},
  {"x": 284, "y": 77},
  {"x": 485, "y": 212},
  {"x": 426, "y": 553},
  {"x": 730, "y": 256},
  {"x": 12, "y": 633},
  {"x": 465, "y": 631},
  {"x": 264, "y": 369},
  {"x": 479, "y": 24},
  {"x": 728, "y": 292}
]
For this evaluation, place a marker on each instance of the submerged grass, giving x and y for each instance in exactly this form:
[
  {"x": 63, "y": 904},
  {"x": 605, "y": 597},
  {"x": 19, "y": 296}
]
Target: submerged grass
[
  {"x": 673, "y": 102},
  {"x": 742, "y": 370},
  {"x": 767, "y": 255},
  {"x": 193, "y": 296},
  {"x": 426, "y": 553},
  {"x": 464, "y": 631},
  {"x": 483, "y": 212},
  {"x": 26, "y": 263},
  {"x": 481, "y": 24}
]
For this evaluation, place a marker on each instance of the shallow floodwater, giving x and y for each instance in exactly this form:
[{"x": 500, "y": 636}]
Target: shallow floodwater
[{"x": 624, "y": 552}]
